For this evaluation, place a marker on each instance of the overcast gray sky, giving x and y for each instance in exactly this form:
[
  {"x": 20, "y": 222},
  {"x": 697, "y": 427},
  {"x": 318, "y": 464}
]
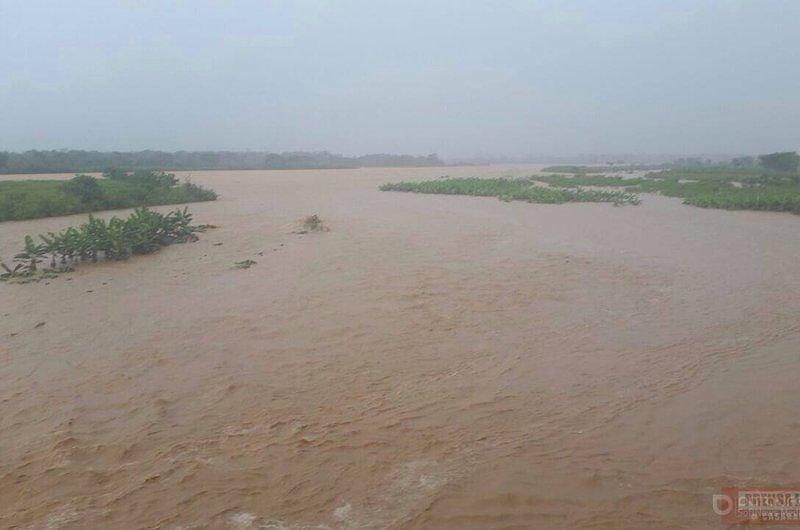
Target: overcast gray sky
[{"x": 457, "y": 77}]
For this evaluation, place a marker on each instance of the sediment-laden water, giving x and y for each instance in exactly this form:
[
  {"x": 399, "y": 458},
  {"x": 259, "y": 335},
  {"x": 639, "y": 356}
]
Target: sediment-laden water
[{"x": 430, "y": 362}]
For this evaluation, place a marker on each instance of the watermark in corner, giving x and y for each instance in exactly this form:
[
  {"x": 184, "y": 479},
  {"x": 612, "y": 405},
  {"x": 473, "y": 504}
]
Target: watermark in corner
[{"x": 748, "y": 506}]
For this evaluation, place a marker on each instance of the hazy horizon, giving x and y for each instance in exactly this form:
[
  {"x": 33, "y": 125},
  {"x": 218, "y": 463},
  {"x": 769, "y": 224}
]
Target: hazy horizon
[{"x": 467, "y": 81}]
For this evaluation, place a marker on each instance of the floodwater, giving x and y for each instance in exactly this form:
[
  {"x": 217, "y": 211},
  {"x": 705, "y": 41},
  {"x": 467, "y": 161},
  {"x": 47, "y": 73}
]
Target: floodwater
[{"x": 432, "y": 361}]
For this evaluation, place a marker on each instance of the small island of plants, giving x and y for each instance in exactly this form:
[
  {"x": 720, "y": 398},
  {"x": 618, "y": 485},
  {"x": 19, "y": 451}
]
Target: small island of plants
[
  {"x": 769, "y": 182},
  {"x": 511, "y": 189}
]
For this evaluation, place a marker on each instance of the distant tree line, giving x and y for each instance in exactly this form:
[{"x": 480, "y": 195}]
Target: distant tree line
[
  {"x": 783, "y": 161},
  {"x": 74, "y": 161}
]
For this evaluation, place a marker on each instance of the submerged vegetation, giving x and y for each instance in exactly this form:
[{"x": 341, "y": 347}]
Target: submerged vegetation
[
  {"x": 31, "y": 199},
  {"x": 508, "y": 189},
  {"x": 313, "y": 223},
  {"x": 728, "y": 188},
  {"x": 244, "y": 264},
  {"x": 741, "y": 185},
  {"x": 143, "y": 232}
]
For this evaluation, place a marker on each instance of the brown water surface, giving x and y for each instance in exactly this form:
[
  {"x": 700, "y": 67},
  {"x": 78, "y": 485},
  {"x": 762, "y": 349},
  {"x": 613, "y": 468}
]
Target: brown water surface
[{"x": 430, "y": 362}]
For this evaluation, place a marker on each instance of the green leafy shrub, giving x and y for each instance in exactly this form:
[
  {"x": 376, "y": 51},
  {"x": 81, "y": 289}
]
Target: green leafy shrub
[
  {"x": 146, "y": 178},
  {"x": 85, "y": 188}
]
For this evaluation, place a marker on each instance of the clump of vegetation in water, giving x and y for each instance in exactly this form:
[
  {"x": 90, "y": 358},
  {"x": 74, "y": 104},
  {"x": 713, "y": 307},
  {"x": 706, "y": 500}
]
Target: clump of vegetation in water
[
  {"x": 507, "y": 189},
  {"x": 143, "y": 232},
  {"x": 772, "y": 183},
  {"x": 313, "y": 223},
  {"x": 31, "y": 199},
  {"x": 244, "y": 264},
  {"x": 728, "y": 188}
]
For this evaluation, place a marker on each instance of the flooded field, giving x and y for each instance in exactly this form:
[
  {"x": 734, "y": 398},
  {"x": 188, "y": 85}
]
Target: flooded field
[{"x": 432, "y": 361}]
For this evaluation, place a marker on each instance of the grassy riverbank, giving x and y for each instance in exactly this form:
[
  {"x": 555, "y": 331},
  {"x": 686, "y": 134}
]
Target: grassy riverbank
[{"x": 31, "y": 199}]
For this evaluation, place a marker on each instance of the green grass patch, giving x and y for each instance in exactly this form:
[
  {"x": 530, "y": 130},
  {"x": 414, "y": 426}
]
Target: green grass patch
[
  {"x": 32, "y": 199},
  {"x": 512, "y": 190}
]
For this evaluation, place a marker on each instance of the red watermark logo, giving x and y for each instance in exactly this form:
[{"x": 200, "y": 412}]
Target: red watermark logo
[{"x": 758, "y": 506}]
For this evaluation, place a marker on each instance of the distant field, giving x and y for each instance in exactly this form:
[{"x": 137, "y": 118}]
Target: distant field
[{"x": 31, "y": 199}]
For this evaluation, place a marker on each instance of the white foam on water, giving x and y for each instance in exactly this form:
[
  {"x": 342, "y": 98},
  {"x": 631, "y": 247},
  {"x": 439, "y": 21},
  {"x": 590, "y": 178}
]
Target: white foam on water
[
  {"x": 243, "y": 520},
  {"x": 342, "y": 512}
]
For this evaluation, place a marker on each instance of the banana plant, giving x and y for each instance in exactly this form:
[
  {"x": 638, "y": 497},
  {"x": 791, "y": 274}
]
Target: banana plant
[
  {"x": 31, "y": 255},
  {"x": 117, "y": 245},
  {"x": 143, "y": 232},
  {"x": 11, "y": 273},
  {"x": 54, "y": 245},
  {"x": 96, "y": 232}
]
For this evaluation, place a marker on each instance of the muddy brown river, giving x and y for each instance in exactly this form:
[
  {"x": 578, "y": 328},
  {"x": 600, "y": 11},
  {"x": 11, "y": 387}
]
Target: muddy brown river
[{"x": 431, "y": 362}]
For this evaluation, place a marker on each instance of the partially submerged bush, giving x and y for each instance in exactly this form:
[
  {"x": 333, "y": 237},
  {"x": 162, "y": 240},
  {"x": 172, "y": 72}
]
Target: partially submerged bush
[{"x": 312, "y": 223}]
